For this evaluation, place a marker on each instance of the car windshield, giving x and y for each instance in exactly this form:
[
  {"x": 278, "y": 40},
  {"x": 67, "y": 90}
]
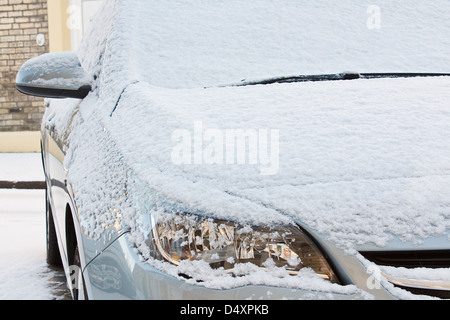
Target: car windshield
[{"x": 207, "y": 43}]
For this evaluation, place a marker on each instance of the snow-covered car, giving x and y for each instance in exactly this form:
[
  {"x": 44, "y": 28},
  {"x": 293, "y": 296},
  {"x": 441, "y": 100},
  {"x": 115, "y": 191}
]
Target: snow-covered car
[{"x": 216, "y": 150}]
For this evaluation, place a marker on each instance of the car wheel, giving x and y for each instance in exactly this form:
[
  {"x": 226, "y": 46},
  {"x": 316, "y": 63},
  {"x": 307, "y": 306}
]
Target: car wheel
[{"x": 53, "y": 255}]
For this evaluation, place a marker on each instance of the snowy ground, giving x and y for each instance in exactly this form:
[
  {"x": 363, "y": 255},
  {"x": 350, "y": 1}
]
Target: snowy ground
[{"x": 24, "y": 273}]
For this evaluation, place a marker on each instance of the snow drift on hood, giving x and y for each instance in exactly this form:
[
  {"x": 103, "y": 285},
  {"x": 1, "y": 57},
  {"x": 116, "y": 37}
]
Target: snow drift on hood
[{"x": 359, "y": 161}]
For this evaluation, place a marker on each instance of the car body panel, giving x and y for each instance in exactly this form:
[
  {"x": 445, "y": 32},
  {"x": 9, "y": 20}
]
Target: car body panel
[
  {"x": 100, "y": 246},
  {"x": 55, "y": 143},
  {"x": 107, "y": 163},
  {"x": 109, "y": 243},
  {"x": 118, "y": 273}
]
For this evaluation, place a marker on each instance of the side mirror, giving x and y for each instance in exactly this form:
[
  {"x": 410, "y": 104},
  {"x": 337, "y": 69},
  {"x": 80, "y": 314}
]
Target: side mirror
[{"x": 54, "y": 75}]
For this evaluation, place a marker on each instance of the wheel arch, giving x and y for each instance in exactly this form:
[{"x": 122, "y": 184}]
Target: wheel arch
[{"x": 73, "y": 235}]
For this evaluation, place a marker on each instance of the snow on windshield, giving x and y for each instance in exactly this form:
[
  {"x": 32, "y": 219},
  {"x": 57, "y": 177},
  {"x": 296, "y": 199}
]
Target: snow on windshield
[{"x": 205, "y": 43}]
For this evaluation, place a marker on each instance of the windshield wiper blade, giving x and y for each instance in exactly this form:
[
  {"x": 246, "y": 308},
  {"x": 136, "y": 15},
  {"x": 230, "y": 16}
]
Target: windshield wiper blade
[
  {"x": 337, "y": 76},
  {"x": 401, "y": 75},
  {"x": 303, "y": 78}
]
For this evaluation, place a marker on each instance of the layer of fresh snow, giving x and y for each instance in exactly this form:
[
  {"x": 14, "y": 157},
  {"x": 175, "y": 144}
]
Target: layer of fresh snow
[
  {"x": 245, "y": 274},
  {"x": 21, "y": 167},
  {"x": 359, "y": 161},
  {"x": 56, "y": 70},
  {"x": 202, "y": 43},
  {"x": 24, "y": 273},
  {"x": 362, "y": 169}
]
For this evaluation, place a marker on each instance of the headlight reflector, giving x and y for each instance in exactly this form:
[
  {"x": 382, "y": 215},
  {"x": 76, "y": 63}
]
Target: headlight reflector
[{"x": 224, "y": 244}]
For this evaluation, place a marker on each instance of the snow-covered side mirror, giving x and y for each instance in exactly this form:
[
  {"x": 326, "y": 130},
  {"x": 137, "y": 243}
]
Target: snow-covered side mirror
[{"x": 54, "y": 75}]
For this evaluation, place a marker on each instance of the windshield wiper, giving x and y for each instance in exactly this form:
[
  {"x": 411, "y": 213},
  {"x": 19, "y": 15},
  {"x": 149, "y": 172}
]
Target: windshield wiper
[
  {"x": 401, "y": 75},
  {"x": 338, "y": 76}
]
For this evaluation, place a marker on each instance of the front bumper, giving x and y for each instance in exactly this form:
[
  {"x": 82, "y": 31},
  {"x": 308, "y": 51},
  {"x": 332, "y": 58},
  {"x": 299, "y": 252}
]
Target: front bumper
[{"x": 118, "y": 273}]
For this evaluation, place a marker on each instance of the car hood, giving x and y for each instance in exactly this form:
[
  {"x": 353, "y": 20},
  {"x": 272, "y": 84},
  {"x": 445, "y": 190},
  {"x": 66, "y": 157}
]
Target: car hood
[{"x": 364, "y": 163}]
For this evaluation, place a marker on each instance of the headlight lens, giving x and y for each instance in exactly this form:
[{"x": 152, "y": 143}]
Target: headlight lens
[{"x": 224, "y": 244}]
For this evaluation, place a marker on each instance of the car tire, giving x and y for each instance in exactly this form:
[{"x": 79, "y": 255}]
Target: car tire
[{"x": 53, "y": 255}]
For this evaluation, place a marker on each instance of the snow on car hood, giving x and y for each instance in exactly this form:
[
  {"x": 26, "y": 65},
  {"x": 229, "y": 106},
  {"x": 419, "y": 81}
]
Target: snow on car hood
[{"x": 359, "y": 161}]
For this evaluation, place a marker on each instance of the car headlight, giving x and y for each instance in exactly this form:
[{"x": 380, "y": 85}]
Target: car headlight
[{"x": 224, "y": 244}]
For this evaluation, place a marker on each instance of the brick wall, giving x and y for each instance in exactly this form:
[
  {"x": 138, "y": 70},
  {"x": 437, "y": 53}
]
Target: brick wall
[{"x": 20, "y": 23}]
